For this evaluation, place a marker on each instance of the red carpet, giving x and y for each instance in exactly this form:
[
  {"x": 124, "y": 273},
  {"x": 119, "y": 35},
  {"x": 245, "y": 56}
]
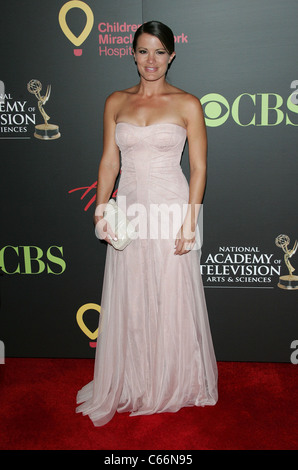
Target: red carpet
[{"x": 257, "y": 410}]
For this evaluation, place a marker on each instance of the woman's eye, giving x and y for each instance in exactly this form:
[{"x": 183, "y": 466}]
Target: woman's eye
[
  {"x": 161, "y": 52},
  {"x": 142, "y": 52}
]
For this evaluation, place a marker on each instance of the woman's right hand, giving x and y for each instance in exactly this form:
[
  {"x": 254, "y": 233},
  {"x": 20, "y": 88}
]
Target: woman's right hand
[{"x": 103, "y": 229}]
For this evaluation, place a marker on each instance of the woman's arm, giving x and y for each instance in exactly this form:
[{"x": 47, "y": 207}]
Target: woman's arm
[
  {"x": 110, "y": 162},
  {"x": 197, "y": 144}
]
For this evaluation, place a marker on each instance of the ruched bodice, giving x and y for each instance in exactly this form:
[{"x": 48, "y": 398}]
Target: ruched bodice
[
  {"x": 150, "y": 147},
  {"x": 164, "y": 142},
  {"x": 155, "y": 352},
  {"x": 151, "y": 173}
]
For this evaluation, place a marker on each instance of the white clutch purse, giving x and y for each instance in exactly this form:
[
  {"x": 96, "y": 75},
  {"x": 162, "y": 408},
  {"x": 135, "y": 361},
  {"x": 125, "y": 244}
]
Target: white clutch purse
[{"x": 120, "y": 225}]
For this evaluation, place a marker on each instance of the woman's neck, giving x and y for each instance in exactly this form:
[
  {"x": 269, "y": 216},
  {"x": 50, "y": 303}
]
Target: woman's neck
[{"x": 149, "y": 89}]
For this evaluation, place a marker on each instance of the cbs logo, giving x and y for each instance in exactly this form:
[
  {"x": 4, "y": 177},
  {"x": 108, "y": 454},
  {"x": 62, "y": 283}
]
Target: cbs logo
[{"x": 259, "y": 109}]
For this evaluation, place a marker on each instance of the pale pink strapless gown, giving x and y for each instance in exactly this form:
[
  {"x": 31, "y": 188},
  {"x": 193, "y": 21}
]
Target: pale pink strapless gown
[{"x": 154, "y": 351}]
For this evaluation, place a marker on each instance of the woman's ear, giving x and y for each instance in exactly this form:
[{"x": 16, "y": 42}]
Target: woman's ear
[{"x": 172, "y": 56}]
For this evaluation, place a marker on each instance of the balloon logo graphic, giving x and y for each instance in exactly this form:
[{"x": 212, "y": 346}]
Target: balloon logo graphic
[
  {"x": 76, "y": 40},
  {"x": 91, "y": 334}
]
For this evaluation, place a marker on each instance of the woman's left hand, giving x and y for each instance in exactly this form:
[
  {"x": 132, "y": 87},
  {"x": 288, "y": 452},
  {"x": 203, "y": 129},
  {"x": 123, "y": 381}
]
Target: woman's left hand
[{"x": 185, "y": 240}]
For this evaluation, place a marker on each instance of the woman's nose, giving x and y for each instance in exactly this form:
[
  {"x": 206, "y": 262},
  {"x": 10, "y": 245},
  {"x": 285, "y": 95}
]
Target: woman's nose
[{"x": 151, "y": 58}]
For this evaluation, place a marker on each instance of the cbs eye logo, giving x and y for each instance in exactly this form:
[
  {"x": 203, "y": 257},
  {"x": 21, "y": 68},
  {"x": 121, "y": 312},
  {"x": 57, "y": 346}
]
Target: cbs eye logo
[{"x": 216, "y": 109}]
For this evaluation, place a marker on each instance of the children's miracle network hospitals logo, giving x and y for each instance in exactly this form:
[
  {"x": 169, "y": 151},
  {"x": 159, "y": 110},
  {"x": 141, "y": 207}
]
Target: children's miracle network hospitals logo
[
  {"x": 76, "y": 40},
  {"x": 115, "y": 38}
]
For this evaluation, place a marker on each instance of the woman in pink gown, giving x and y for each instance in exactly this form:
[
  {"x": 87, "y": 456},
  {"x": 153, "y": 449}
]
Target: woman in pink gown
[{"x": 154, "y": 351}]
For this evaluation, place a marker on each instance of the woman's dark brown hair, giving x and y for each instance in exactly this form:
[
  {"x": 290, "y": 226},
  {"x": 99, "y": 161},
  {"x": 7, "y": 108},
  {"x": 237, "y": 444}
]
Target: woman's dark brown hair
[{"x": 159, "y": 30}]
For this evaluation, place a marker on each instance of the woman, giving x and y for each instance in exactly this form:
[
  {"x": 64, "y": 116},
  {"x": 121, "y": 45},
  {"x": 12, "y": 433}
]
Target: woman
[{"x": 154, "y": 351}]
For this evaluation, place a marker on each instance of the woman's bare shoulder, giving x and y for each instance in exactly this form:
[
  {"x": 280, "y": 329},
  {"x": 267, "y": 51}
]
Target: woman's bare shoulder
[
  {"x": 188, "y": 104},
  {"x": 121, "y": 94},
  {"x": 185, "y": 96},
  {"x": 118, "y": 98}
]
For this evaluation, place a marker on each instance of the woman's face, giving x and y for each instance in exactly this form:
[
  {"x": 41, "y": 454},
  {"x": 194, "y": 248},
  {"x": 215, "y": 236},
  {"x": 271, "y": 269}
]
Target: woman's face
[{"x": 151, "y": 57}]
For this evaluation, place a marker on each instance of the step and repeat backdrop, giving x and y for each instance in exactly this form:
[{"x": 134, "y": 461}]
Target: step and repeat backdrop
[{"x": 59, "y": 62}]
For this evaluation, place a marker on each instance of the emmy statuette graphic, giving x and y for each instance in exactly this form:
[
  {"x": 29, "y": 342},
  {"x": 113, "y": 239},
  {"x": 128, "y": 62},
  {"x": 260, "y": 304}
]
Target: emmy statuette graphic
[
  {"x": 289, "y": 282},
  {"x": 44, "y": 131}
]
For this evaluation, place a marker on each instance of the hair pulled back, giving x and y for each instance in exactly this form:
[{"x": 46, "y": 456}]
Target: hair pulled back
[{"x": 159, "y": 30}]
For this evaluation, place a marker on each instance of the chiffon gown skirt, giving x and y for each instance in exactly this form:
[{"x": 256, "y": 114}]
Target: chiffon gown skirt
[{"x": 154, "y": 349}]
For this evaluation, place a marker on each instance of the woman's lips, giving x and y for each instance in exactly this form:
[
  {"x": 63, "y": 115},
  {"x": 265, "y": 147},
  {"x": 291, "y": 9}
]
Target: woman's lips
[{"x": 151, "y": 69}]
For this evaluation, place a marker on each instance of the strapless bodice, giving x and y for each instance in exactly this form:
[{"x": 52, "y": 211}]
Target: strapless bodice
[
  {"x": 150, "y": 162},
  {"x": 163, "y": 137}
]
